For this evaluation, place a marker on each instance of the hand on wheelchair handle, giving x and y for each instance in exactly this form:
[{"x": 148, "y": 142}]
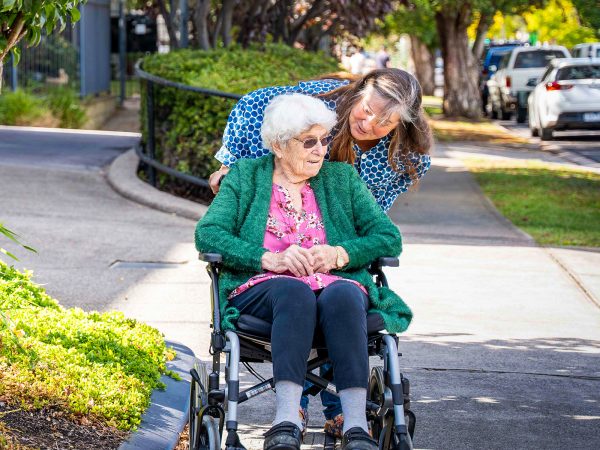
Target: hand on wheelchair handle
[{"x": 216, "y": 177}]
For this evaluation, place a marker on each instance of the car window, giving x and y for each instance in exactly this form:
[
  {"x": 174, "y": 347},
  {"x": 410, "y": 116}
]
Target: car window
[
  {"x": 575, "y": 53},
  {"x": 579, "y": 72},
  {"x": 504, "y": 61},
  {"x": 537, "y": 58},
  {"x": 496, "y": 57},
  {"x": 598, "y": 52}
]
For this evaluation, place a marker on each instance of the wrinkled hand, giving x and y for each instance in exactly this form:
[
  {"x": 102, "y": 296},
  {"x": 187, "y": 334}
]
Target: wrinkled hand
[
  {"x": 325, "y": 257},
  {"x": 297, "y": 260},
  {"x": 215, "y": 178}
]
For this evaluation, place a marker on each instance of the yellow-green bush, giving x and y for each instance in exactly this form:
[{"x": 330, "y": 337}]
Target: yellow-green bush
[
  {"x": 189, "y": 125},
  {"x": 103, "y": 366}
]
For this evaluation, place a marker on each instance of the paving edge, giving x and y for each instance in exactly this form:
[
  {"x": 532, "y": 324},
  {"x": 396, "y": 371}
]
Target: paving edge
[
  {"x": 165, "y": 418},
  {"x": 122, "y": 177}
]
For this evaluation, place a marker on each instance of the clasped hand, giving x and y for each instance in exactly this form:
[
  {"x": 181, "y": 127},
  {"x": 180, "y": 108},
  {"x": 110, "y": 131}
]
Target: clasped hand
[{"x": 301, "y": 261}]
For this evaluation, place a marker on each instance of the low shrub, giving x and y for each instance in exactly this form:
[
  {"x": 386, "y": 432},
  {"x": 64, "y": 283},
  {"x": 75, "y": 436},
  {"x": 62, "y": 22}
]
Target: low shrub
[
  {"x": 21, "y": 108},
  {"x": 66, "y": 107},
  {"x": 99, "y": 367},
  {"x": 189, "y": 125}
]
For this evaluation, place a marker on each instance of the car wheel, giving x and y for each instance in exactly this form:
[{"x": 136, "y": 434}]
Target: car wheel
[
  {"x": 521, "y": 114},
  {"x": 546, "y": 134}
]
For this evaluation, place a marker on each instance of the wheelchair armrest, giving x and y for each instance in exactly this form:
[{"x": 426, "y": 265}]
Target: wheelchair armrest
[
  {"x": 389, "y": 261},
  {"x": 210, "y": 257}
]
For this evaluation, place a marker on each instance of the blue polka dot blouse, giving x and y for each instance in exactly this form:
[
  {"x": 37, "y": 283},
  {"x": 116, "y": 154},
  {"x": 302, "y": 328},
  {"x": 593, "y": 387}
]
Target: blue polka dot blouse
[{"x": 241, "y": 139}]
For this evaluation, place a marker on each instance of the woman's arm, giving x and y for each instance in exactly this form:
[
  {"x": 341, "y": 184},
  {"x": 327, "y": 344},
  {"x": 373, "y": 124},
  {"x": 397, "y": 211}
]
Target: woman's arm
[
  {"x": 217, "y": 231},
  {"x": 377, "y": 234},
  {"x": 387, "y": 195}
]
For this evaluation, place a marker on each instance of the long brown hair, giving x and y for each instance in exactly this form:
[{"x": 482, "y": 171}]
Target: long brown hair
[{"x": 402, "y": 91}]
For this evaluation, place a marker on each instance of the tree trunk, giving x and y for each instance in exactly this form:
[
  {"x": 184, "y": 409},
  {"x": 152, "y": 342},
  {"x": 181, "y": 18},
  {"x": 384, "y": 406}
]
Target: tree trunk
[
  {"x": 173, "y": 42},
  {"x": 1, "y": 73},
  {"x": 485, "y": 22},
  {"x": 200, "y": 20},
  {"x": 461, "y": 90},
  {"x": 424, "y": 65},
  {"x": 227, "y": 15}
]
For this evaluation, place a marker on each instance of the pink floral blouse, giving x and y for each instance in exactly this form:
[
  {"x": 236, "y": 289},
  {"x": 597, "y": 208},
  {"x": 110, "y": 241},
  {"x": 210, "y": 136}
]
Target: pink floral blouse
[{"x": 285, "y": 227}]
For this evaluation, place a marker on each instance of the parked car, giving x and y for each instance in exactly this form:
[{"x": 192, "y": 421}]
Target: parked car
[
  {"x": 567, "y": 97},
  {"x": 509, "y": 88},
  {"x": 588, "y": 50},
  {"x": 491, "y": 59}
]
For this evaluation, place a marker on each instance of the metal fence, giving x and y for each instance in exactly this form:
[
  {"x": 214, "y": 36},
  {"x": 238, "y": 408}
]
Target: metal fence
[
  {"x": 147, "y": 150},
  {"x": 55, "y": 61}
]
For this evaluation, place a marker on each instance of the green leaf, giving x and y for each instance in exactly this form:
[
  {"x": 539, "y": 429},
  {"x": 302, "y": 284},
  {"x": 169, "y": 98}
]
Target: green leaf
[
  {"x": 6, "y": 252},
  {"x": 75, "y": 15},
  {"x": 7, "y": 4},
  {"x": 16, "y": 52}
]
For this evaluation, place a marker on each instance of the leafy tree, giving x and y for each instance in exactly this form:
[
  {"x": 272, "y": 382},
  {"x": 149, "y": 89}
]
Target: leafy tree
[
  {"x": 589, "y": 13},
  {"x": 29, "y": 19},
  {"x": 453, "y": 18},
  {"x": 419, "y": 23},
  {"x": 559, "y": 23}
]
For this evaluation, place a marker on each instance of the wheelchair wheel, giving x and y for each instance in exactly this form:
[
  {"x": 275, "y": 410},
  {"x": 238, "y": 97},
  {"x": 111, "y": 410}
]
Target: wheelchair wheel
[
  {"x": 208, "y": 436},
  {"x": 198, "y": 400},
  {"x": 382, "y": 423}
]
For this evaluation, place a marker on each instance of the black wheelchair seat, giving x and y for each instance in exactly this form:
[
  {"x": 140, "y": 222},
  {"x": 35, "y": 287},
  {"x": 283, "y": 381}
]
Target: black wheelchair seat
[{"x": 260, "y": 328}]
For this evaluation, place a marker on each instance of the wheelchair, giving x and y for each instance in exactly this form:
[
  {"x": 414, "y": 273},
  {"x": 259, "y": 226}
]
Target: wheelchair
[{"x": 213, "y": 406}]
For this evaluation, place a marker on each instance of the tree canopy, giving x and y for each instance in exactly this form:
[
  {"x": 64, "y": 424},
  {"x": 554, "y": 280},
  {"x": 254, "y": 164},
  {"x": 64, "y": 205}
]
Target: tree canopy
[{"x": 29, "y": 19}]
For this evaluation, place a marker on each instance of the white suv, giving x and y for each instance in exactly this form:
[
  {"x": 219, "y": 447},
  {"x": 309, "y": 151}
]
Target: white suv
[
  {"x": 589, "y": 50},
  {"x": 516, "y": 77}
]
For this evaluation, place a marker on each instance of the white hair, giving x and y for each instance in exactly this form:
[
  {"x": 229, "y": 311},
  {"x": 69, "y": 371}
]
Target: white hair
[{"x": 289, "y": 115}]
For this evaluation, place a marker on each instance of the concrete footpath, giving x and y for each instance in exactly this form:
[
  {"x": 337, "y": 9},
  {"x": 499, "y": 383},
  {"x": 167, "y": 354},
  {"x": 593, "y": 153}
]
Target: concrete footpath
[{"x": 504, "y": 350}]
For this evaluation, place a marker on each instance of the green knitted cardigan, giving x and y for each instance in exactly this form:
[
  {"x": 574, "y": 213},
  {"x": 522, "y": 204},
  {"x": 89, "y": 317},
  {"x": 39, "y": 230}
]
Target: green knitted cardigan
[{"x": 236, "y": 221}]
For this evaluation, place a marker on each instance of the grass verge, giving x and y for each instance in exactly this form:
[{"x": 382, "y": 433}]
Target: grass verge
[
  {"x": 555, "y": 205},
  {"x": 94, "y": 367}
]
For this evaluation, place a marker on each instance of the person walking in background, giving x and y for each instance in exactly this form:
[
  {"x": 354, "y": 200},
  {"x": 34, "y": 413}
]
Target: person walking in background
[{"x": 382, "y": 58}]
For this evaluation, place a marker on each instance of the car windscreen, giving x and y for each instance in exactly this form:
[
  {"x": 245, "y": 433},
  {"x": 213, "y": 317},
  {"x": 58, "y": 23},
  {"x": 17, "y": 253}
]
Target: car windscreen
[
  {"x": 537, "y": 58},
  {"x": 598, "y": 53},
  {"x": 579, "y": 72},
  {"x": 496, "y": 57}
]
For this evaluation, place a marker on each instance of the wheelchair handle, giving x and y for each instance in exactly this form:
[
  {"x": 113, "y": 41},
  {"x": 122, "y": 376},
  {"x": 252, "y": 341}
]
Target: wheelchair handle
[{"x": 214, "y": 258}]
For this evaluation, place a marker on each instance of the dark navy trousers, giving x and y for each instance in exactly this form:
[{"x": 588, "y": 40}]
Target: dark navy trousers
[{"x": 295, "y": 311}]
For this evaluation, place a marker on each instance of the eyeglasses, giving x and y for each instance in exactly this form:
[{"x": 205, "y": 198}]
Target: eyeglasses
[{"x": 312, "y": 142}]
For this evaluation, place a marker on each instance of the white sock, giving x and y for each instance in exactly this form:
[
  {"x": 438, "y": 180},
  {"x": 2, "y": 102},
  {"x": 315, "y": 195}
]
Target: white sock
[
  {"x": 287, "y": 395},
  {"x": 354, "y": 403}
]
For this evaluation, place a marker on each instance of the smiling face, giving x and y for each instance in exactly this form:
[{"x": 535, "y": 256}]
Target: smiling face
[
  {"x": 370, "y": 119},
  {"x": 300, "y": 163}
]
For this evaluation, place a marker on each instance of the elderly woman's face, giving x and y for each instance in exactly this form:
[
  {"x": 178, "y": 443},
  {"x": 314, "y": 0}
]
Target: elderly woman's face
[
  {"x": 369, "y": 120},
  {"x": 303, "y": 155}
]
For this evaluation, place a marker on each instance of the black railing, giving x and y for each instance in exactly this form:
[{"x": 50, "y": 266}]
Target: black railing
[{"x": 147, "y": 149}]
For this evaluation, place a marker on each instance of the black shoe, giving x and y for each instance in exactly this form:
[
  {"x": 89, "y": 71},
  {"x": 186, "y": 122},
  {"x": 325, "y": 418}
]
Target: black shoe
[
  {"x": 358, "y": 439},
  {"x": 283, "y": 436}
]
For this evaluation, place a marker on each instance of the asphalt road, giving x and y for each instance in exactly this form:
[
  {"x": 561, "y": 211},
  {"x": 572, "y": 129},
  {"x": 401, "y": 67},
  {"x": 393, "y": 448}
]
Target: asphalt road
[{"x": 583, "y": 143}]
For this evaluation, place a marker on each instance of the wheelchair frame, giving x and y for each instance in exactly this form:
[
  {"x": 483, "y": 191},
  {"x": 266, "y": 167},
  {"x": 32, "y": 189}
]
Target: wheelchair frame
[{"x": 388, "y": 401}]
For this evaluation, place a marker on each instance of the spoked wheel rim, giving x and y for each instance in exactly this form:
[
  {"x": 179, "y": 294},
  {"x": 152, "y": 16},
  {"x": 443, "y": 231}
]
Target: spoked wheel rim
[{"x": 376, "y": 395}]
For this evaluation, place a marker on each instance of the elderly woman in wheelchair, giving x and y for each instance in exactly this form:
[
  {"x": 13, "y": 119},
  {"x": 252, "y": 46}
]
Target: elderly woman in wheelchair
[{"x": 295, "y": 236}]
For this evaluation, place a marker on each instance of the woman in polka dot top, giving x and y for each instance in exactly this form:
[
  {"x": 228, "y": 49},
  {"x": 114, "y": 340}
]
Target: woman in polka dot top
[{"x": 381, "y": 129}]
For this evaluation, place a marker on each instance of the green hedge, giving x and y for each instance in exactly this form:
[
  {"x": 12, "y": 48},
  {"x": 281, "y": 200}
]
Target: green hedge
[
  {"x": 189, "y": 126},
  {"x": 99, "y": 366}
]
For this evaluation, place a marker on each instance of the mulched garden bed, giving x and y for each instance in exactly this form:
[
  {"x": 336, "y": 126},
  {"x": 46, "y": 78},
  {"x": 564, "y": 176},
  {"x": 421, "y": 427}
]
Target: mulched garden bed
[{"x": 48, "y": 429}]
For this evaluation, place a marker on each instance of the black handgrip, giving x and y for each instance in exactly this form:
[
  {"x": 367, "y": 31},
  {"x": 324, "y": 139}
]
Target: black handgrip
[
  {"x": 210, "y": 257},
  {"x": 388, "y": 261}
]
